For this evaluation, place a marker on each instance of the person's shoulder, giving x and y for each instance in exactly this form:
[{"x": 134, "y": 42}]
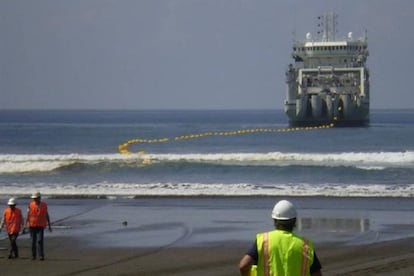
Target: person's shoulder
[
  {"x": 303, "y": 238},
  {"x": 259, "y": 234}
]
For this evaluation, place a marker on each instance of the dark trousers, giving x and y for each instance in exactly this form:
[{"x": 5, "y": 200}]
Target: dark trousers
[
  {"x": 37, "y": 233},
  {"x": 13, "y": 245}
]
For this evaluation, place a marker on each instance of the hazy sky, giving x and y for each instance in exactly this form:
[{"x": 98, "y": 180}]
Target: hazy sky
[{"x": 185, "y": 54}]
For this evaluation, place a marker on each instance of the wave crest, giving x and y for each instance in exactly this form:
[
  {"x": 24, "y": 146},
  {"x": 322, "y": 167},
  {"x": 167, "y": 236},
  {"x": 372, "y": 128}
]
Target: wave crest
[{"x": 13, "y": 164}]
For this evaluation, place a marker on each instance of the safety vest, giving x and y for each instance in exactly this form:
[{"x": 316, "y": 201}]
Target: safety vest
[
  {"x": 37, "y": 214},
  {"x": 13, "y": 220},
  {"x": 283, "y": 253}
]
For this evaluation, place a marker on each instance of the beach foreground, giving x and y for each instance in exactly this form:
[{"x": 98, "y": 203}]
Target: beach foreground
[
  {"x": 69, "y": 257},
  {"x": 209, "y": 235}
]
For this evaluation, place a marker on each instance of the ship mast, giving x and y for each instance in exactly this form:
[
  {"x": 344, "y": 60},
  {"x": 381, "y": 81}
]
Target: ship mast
[{"x": 327, "y": 24}]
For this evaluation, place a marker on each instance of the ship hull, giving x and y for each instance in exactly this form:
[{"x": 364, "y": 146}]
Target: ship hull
[
  {"x": 321, "y": 122},
  {"x": 322, "y": 110}
]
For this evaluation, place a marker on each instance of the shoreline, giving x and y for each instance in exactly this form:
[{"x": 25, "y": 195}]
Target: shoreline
[{"x": 194, "y": 221}]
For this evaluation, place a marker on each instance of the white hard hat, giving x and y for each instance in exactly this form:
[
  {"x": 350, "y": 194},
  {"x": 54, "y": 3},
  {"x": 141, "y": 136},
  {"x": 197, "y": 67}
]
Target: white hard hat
[
  {"x": 11, "y": 201},
  {"x": 284, "y": 210},
  {"x": 35, "y": 195}
]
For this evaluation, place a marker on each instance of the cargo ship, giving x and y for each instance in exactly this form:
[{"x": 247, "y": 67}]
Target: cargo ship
[{"x": 329, "y": 79}]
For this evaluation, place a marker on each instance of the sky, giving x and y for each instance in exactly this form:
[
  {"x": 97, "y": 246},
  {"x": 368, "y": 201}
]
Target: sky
[{"x": 185, "y": 54}]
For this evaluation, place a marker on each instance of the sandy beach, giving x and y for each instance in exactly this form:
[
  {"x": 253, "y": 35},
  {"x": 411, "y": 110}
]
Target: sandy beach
[
  {"x": 208, "y": 236},
  {"x": 69, "y": 257}
]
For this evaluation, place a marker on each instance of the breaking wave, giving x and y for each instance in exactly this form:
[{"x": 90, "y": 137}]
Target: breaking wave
[{"x": 38, "y": 163}]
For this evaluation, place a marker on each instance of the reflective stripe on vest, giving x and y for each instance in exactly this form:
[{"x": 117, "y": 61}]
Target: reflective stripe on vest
[
  {"x": 37, "y": 214},
  {"x": 266, "y": 254},
  {"x": 283, "y": 253},
  {"x": 13, "y": 220},
  {"x": 305, "y": 257}
]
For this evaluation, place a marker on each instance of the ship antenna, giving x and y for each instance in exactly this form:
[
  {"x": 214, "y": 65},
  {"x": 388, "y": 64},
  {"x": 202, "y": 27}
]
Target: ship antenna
[
  {"x": 327, "y": 25},
  {"x": 294, "y": 35}
]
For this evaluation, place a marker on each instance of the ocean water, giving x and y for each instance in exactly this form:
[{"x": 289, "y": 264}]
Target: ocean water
[{"x": 209, "y": 153}]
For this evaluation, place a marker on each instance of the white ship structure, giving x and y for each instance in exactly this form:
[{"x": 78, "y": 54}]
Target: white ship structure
[{"x": 329, "y": 80}]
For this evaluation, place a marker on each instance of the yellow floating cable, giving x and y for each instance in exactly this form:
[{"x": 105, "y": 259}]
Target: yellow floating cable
[{"x": 124, "y": 147}]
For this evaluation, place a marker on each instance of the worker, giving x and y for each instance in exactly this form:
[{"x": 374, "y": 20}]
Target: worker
[
  {"x": 13, "y": 220},
  {"x": 37, "y": 220},
  {"x": 280, "y": 251}
]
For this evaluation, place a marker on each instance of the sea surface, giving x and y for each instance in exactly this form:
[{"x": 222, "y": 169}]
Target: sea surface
[{"x": 202, "y": 153}]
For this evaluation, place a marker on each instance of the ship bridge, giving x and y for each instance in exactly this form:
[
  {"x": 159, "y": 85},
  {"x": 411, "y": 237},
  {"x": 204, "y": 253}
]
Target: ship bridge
[{"x": 330, "y": 53}]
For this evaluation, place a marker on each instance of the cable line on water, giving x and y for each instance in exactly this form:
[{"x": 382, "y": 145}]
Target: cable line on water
[{"x": 124, "y": 147}]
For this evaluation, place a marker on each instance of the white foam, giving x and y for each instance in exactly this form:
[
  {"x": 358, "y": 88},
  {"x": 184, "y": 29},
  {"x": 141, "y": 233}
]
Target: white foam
[
  {"x": 366, "y": 160},
  {"x": 203, "y": 189}
]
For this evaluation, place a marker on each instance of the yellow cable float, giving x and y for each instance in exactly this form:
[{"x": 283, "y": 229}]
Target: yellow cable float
[{"x": 124, "y": 147}]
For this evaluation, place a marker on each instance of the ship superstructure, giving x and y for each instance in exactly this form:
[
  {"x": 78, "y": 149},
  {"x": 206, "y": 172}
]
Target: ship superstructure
[{"x": 329, "y": 80}]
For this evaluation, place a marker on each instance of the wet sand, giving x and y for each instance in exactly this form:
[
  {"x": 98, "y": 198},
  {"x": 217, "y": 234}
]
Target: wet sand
[{"x": 65, "y": 256}]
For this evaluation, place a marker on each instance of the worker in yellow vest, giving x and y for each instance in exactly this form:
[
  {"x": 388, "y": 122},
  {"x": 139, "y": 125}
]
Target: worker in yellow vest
[
  {"x": 280, "y": 252},
  {"x": 37, "y": 220},
  {"x": 13, "y": 220}
]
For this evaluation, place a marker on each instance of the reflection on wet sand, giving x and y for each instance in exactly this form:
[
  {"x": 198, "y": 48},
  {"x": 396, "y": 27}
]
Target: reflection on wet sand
[{"x": 359, "y": 225}]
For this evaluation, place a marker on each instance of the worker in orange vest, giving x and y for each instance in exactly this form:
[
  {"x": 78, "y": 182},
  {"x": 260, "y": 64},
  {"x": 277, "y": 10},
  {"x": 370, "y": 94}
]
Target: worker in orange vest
[
  {"x": 13, "y": 220},
  {"x": 37, "y": 220}
]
